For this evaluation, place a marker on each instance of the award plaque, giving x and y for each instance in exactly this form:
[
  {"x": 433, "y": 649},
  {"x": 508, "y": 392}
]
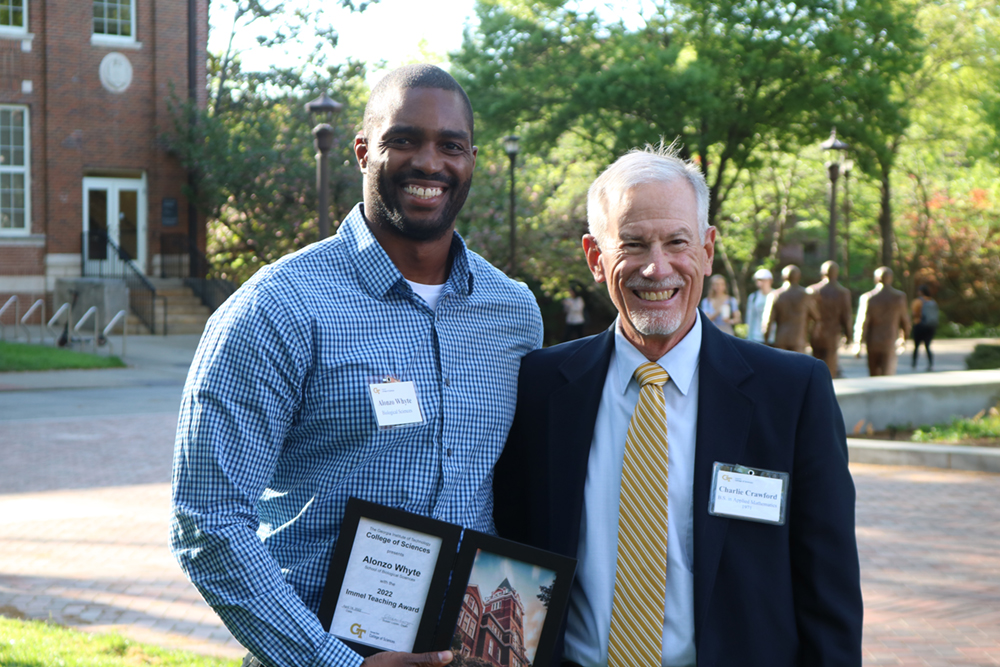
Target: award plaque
[
  {"x": 505, "y": 604},
  {"x": 387, "y": 578}
]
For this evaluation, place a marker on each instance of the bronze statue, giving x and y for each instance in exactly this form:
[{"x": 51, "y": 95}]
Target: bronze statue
[
  {"x": 833, "y": 301},
  {"x": 882, "y": 313},
  {"x": 789, "y": 309}
]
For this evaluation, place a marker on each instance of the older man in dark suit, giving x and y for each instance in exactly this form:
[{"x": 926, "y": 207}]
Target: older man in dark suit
[{"x": 674, "y": 567}]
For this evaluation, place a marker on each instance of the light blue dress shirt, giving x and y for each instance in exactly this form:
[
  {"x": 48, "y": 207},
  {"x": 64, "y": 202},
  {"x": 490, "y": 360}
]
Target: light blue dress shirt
[
  {"x": 589, "y": 615},
  {"x": 277, "y": 429}
]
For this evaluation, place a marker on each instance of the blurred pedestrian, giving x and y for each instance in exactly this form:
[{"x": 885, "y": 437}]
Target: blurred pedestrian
[
  {"x": 925, "y": 323},
  {"x": 755, "y": 306},
  {"x": 790, "y": 309},
  {"x": 833, "y": 301},
  {"x": 719, "y": 307},
  {"x": 882, "y": 315},
  {"x": 573, "y": 307}
]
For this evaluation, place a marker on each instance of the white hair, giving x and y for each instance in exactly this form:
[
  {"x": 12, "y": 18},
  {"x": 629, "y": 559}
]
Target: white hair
[{"x": 652, "y": 164}]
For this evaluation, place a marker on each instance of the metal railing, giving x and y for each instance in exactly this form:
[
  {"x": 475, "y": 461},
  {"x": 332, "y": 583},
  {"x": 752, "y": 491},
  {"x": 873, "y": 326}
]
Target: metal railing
[
  {"x": 12, "y": 301},
  {"x": 198, "y": 273},
  {"x": 102, "y": 258}
]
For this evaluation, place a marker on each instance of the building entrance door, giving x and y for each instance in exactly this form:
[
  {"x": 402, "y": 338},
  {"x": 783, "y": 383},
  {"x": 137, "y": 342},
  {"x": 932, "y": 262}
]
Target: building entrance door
[{"x": 114, "y": 209}]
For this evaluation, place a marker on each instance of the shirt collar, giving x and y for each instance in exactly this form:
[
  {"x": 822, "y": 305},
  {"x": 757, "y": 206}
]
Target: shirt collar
[
  {"x": 681, "y": 362},
  {"x": 377, "y": 272}
]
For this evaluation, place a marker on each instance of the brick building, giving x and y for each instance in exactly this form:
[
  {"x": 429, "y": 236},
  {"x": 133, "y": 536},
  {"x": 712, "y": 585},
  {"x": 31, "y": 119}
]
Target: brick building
[
  {"x": 84, "y": 93},
  {"x": 492, "y": 629}
]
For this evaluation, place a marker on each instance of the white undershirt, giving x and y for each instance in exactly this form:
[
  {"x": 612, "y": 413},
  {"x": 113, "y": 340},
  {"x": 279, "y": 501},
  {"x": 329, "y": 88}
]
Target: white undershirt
[
  {"x": 589, "y": 616},
  {"x": 429, "y": 293}
]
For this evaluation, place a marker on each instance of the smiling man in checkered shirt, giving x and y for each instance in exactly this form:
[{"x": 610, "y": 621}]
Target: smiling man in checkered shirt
[{"x": 276, "y": 427}]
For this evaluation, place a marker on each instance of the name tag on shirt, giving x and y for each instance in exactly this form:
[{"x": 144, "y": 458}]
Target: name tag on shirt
[
  {"x": 395, "y": 404},
  {"x": 751, "y": 494}
]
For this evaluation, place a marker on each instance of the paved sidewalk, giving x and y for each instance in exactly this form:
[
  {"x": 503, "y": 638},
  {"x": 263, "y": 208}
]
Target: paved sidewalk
[{"x": 84, "y": 502}]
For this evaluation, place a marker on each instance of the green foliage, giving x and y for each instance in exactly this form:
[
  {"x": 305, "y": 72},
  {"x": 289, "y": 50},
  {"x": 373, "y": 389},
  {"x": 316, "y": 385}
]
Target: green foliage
[
  {"x": 983, "y": 357},
  {"x": 36, "y": 644},
  {"x": 983, "y": 425},
  {"x": 22, "y": 357},
  {"x": 254, "y": 166}
]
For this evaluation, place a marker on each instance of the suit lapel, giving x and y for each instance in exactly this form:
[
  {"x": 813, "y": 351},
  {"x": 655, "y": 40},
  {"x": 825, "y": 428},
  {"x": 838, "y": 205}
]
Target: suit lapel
[
  {"x": 571, "y": 419},
  {"x": 724, "y": 416}
]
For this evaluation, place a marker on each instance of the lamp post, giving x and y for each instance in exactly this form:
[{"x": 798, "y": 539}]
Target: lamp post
[
  {"x": 833, "y": 168},
  {"x": 848, "y": 165},
  {"x": 510, "y": 145},
  {"x": 323, "y": 136}
]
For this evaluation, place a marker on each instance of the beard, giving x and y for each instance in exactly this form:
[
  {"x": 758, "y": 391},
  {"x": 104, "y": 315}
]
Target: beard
[
  {"x": 387, "y": 211},
  {"x": 656, "y": 322}
]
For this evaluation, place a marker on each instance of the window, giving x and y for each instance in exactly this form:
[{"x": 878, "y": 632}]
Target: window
[
  {"x": 114, "y": 19},
  {"x": 14, "y": 170},
  {"x": 13, "y": 16}
]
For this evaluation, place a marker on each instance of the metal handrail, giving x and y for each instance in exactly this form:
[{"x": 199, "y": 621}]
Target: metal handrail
[
  {"x": 24, "y": 320},
  {"x": 120, "y": 316},
  {"x": 103, "y": 258},
  {"x": 17, "y": 316},
  {"x": 65, "y": 308},
  {"x": 90, "y": 311}
]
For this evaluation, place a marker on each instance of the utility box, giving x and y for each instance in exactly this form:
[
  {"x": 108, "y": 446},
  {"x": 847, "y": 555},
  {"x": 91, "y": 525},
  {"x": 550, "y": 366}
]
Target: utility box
[{"x": 107, "y": 294}]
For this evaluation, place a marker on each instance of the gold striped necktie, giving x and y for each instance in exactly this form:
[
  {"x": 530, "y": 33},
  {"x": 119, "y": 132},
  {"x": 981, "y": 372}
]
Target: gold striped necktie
[{"x": 640, "y": 582}]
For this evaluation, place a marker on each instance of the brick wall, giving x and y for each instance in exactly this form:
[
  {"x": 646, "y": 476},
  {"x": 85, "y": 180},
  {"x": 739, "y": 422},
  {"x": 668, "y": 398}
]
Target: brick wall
[{"x": 79, "y": 129}]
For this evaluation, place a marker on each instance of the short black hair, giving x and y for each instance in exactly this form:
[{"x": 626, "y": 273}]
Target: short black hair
[
  {"x": 412, "y": 76},
  {"x": 925, "y": 289}
]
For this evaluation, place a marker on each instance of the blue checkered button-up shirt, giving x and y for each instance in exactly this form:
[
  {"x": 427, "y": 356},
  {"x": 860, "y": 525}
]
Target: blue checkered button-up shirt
[{"x": 277, "y": 429}]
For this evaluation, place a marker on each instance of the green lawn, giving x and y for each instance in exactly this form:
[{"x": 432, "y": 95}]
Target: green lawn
[
  {"x": 22, "y": 357},
  {"x": 37, "y": 644}
]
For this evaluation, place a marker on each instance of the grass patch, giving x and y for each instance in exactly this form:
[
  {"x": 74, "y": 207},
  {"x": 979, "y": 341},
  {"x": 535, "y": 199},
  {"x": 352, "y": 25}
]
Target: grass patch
[
  {"x": 37, "y": 644},
  {"x": 984, "y": 426},
  {"x": 22, "y": 357}
]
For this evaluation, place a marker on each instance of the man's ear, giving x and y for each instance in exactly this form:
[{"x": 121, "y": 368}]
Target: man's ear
[
  {"x": 361, "y": 152},
  {"x": 709, "y": 250},
  {"x": 593, "y": 253}
]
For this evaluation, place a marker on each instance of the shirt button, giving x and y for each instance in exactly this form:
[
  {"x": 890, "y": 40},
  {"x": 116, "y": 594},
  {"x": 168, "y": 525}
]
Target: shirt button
[
  {"x": 447, "y": 382},
  {"x": 447, "y": 451}
]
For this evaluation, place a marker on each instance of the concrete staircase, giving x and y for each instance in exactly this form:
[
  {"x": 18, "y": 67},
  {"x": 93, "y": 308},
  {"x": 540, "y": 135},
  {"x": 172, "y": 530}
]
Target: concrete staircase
[{"x": 185, "y": 313}]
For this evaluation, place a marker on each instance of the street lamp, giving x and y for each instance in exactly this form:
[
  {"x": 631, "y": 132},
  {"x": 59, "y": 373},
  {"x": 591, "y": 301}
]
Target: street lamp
[
  {"x": 833, "y": 167},
  {"x": 510, "y": 145},
  {"x": 848, "y": 165},
  {"x": 323, "y": 135}
]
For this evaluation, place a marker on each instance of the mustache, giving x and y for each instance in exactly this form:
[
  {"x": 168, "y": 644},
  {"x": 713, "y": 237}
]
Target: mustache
[
  {"x": 647, "y": 285},
  {"x": 415, "y": 174}
]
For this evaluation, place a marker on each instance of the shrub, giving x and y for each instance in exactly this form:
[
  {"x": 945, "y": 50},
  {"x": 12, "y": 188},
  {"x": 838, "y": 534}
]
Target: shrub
[{"x": 983, "y": 357}]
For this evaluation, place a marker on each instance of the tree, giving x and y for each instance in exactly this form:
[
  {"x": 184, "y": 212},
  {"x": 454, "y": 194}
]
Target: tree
[
  {"x": 545, "y": 594},
  {"x": 725, "y": 78},
  {"x": 253, "y": 164}
]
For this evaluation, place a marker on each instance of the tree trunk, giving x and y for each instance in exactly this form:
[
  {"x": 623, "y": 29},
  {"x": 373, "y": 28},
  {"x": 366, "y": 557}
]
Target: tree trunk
[{"x": 885, "y": 218}]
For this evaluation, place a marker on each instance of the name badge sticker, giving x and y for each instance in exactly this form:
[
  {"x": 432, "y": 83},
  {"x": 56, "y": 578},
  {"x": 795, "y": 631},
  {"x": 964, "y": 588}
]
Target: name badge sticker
[
  {"x": 395, "y": 404},
  {"x": 751, "y": 494}
]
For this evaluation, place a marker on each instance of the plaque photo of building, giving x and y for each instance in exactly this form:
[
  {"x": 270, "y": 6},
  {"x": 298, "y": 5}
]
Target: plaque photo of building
[{"x": 502, "y": 612}]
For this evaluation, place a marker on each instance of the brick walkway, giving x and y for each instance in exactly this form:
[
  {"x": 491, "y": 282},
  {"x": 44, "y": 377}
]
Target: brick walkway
[{"x": 930, "y": 560}]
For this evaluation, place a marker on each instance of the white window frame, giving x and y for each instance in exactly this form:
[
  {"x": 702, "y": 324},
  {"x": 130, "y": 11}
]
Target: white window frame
[
  {"x": 102, "y": 39},
  {"x": 15, "y": 31},
  {"x": 25, "y": 169}
]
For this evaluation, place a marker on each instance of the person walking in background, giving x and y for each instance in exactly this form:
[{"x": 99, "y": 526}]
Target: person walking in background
[
  {"x": 573, "y": 307},
  {"x": 719, "y": 307},
  {"x": 882, "y": 315},
  {"x": 833, "y": 302},
  {"x": 925, "y": 323},
  {"x": 790, "y": 310},
  {"x": 756, "y": 303}
]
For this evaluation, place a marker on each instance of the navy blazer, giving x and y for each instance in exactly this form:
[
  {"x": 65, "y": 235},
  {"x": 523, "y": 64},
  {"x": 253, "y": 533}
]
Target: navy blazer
[{"x": 764, "y": 595}]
